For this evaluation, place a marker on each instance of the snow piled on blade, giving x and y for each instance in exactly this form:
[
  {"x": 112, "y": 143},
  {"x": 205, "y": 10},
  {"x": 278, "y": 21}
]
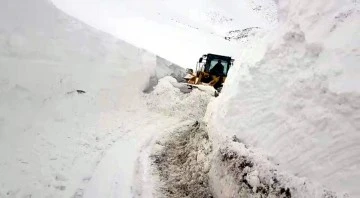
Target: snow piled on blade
[
  {"x": 297, "y": 97},
  {"x": 169, "y": 99}
]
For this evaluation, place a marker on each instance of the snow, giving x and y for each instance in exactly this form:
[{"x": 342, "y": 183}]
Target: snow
[
  {"x": 171, "y": 102},
  {"x": 122, "y": 172},
  {"x": 68, "y": 93},
  {"x": 238, "y": 169},
  {"x": 181, "y": 163},
  {"x": 297, "y": 96},
  {"x": 177, "y": 30},
  {"x": 84, "y": 114},
  {"x": 57, "y": 141}
]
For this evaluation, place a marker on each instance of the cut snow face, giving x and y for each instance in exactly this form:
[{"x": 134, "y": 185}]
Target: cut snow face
[
  {"x": 299, "y": 100},
  {"x": 68, "y": 93}
]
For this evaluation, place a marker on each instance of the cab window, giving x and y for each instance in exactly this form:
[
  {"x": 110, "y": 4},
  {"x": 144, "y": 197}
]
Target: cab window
[{"x": 224, "y": 63}]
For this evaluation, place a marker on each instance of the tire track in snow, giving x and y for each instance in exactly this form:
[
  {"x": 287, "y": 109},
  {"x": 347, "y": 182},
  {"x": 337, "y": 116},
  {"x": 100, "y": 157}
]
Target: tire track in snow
[{"x": 182, "y": 163}]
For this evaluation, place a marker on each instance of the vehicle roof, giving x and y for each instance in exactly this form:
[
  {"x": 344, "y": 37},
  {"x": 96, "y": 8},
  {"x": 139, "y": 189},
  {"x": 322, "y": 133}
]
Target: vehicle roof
[{"x": 212, "y": 56}]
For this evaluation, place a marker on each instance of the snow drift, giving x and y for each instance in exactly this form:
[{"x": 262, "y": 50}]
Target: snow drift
[{"x": 297, "y": 95}]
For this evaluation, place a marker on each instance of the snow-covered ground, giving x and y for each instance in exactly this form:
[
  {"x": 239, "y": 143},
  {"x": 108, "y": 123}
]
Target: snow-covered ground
[{"x": 84, "y": 114}]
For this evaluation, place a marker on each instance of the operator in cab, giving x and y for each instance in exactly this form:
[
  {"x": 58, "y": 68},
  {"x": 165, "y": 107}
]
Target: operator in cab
[{"x": 216, "y": 73}]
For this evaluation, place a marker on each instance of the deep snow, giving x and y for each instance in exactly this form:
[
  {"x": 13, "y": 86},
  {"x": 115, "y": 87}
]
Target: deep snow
[
  {"x": 291, "y": 99},
  {"x": 296, "y": 94},
  {"x": 68, "y": 93}
]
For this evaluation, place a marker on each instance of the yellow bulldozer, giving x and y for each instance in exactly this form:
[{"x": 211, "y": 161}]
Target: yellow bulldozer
[{"x": 211, "y": 70}]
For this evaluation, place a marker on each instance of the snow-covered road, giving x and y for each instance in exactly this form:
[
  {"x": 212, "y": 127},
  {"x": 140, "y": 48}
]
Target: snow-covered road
[{"x": 123, "y": 172}]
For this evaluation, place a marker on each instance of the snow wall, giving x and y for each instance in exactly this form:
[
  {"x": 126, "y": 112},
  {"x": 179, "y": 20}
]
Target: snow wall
[
  {"x": 296, "y": 94},
  {"x": 62, "y": 86}
]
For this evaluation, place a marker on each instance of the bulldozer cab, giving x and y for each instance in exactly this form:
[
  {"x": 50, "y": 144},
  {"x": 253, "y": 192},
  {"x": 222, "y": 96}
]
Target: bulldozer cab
[{"x": 208, "y": 61}]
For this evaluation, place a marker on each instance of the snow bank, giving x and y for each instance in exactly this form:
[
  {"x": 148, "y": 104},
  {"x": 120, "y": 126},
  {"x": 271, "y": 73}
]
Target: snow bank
[
  {"x": 297, "y": 95},
  {"x": 237, "y": 170},
  {"x": 187, "y": 163},
  {"x": 67, "y": 93}
]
